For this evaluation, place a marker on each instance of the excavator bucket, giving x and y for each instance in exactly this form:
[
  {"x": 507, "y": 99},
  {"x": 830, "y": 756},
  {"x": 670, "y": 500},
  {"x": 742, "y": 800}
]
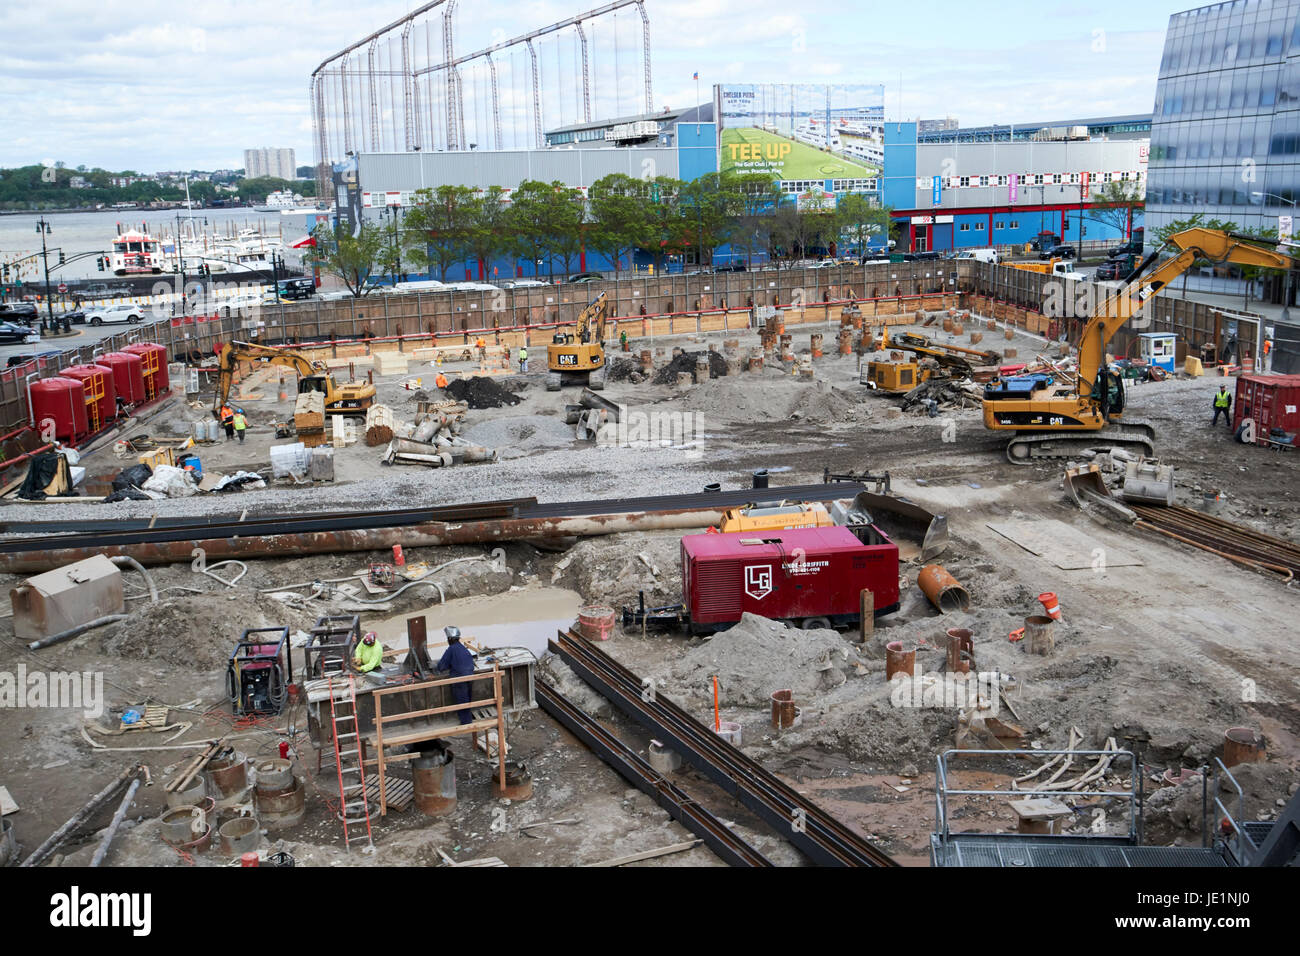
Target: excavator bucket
[
  {"x": 899, "y": 518},
  {"x": 1079, "y": 481},
  {"x": 1149, "y": 482}
]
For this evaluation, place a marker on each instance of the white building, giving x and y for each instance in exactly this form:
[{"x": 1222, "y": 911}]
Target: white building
[{"x": 269, "y": 161}]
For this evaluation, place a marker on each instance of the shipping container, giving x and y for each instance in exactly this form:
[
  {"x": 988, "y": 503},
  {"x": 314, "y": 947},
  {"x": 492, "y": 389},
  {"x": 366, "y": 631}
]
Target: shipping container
[
  {"x": 811, "y": 576},
  {"x": 1273, "y": 401}
]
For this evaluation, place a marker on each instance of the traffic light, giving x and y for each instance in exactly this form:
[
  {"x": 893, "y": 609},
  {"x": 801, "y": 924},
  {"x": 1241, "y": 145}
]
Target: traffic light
[
  {"x": 5, "y": 273},
  {"x": 100, "y": 262},
  {"x": 61, "y": 257}
]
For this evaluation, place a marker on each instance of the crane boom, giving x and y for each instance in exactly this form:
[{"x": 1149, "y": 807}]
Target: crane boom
[{"x": 350, "y": 398}]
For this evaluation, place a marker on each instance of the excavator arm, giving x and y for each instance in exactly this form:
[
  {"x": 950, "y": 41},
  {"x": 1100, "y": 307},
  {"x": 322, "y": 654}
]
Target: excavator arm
[
  {"x": 591, "y": 323},
  {"x": 1192, "y": 245},
  {"x": 232, "y": 353}
]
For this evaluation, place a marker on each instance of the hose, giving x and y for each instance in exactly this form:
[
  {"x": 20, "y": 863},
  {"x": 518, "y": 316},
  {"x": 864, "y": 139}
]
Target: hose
[
  {"x": 122, "y": 561},
  {"x": 74, "y": 631},
  {"x": 442, "y": 598}
]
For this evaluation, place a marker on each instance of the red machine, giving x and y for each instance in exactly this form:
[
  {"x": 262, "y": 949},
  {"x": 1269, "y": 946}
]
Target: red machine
[{"x": 813, "y": 576}]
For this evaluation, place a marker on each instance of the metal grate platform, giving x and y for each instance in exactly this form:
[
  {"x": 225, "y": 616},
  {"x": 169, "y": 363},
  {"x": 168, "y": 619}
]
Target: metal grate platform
[{"x": 1008, "y": 850}]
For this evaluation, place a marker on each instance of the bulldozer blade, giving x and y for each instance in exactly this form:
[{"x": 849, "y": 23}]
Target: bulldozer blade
[{"x": 897, "y": 518}]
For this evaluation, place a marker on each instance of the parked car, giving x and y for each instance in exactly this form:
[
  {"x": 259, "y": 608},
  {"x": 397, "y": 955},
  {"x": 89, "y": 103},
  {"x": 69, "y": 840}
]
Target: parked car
[
  {"x": 730, "y": 267},
  {"x": 1058, "y": 252},
  {"x": 980, "y": 255},
  {"x": 21, "y": 312},
  {"x": 522, "y": 284},
  {"x": 586, "y": 277},
  {"x": 12, "y": 332},
  {"x": 1044, "y": 240},
  {"x": 112, "y": 314},
  {"x": 75, "y": 316}
]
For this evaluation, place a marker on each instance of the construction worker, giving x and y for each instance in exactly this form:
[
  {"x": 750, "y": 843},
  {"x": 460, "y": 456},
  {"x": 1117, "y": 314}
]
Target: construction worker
[
  {"x": 240, "y": 423},
  {"x": 481, "y": 345},
  {"x": 441, "y": 380},
  {"x": 523, "y": 359},
  {"x": 1266, "y": 364},
  {"x": 369, "y": 653},
  {"x": 228, "y": 420},
  {"x": 460, "y": 662},
  {"x": 622, "y": 340},
  {"x": 1221, "y": 402}
]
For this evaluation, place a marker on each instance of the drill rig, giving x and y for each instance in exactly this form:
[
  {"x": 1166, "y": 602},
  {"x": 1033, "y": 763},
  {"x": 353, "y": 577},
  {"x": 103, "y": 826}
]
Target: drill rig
[{"x": 1060, "y": 419}]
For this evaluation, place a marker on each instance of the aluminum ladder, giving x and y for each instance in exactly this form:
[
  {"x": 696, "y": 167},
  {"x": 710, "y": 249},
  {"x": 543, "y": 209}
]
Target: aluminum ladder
[{"x": 354, "y": 811}]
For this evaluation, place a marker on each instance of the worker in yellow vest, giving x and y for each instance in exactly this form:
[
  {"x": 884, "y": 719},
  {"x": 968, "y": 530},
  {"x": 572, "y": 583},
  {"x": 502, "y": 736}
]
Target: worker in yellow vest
[
  {"x": 1221, "y": 402},
  {"x": 369, "y": 653},
  {"x": 240, "y": 423},
  {"x": 523, "y": 359}
]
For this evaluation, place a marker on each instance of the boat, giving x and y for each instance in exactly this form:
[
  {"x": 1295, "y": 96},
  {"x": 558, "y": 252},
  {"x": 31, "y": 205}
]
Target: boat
[
  {"x": 283, "y": 200},
  {"x": 136, "y": 253}
]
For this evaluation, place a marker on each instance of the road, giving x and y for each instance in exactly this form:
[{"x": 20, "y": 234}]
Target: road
[{"x": 84, "y": 335}]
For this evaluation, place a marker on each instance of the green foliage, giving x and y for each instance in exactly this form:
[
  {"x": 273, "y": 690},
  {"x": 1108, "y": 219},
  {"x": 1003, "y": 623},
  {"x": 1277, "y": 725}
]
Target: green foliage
[
  {"x": 438, "y": 228},
  {"x": 36, "y": 187},
  {"x": 1115, "y": 201},
  {"x": 545, "y": 221},
  {"x": 858, "y": 220},
  {"x": 351, "y": 259},
  {"x": 620, "y": 214}
]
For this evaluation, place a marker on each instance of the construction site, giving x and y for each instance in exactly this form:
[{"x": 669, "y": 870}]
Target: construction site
[{"x": 891, "y": 564}]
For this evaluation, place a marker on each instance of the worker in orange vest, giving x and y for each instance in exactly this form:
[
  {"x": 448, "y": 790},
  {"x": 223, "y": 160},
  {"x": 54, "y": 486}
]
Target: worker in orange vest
[
  {"x": 441, "y": 380},
  {"x": 481, "y": 345}
]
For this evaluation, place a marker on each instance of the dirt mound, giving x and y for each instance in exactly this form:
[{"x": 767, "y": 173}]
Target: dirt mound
[
  {"x": 419, "y": 395},
  {"x": 686, "y": 363},
  {"x": 1174, "y": 814},
  {"x": 480, "y": 392},
  {"x": 621, "y": 370},
  {"x": 758, "y": 656},
  {"x": 760, "y": 399},
  {"x": 197, "y": 631}
]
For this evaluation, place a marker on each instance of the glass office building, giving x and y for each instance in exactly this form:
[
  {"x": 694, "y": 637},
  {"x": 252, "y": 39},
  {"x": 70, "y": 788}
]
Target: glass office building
[{"x": 1225, "y": 134}]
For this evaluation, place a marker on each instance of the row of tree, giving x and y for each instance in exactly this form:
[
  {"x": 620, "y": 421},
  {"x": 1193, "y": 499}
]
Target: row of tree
[
  {"x": 50, "y": 187},
  {"x": 550, "y": 224}
]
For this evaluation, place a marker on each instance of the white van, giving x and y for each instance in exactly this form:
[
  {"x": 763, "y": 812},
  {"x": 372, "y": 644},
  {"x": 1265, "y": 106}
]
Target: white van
[{"x": 981, "y": 255}]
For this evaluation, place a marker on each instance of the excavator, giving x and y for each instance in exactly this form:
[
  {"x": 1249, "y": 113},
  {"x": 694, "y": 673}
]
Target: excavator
[
  {"x": 1060, "y": 418},
  {"x": 579, "y": 357},
  {"x": 351, "y": 398}
]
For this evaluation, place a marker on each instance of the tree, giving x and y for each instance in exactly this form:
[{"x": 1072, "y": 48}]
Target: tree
[
  {"x": 545, "y": 221},
  {"x": 620, "y": 216},
  {"x": 1114, "y": 203},
  {"x": 351, "y": 259},
  {"x": 439, "y": 226},
  {"x": 757, "y": 195},
  {"x": 802, "y": 225},
  {"x": 489, "y": 216},
  {"x": 712, "y": 203},
  {"x": 858, "y": 219},
  {"x": 669, "y": 232}
]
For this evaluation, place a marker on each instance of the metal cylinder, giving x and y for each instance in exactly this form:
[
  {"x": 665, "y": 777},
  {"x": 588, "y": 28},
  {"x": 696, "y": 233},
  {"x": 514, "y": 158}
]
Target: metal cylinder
[
  {"x": 240, "y": 836},
  {"x": 899, "y": 661},
  {"x": 760, "y": 478},
  {"x": 183, "y": 824},
  {"x": 942, "y": 589},
  {"x": 712, "y": 486},
  {"x": 1038, "y": 634},
  {"x": 961, "y": 650},
  {"x": 519, "y": 782},
  {"x": 281, "y": 807},
  {"x": 434, "y": 781},
  {"x": 273, "y": 774},
  {"x": 729, "y": 731},
  {"x": 1242, "y": 745},
  {"x": 227, "y": 776},
  {"x": 784, "y": 713},
  {"x": 191, "y": 795},
  {"x": 663, "y": 759}
]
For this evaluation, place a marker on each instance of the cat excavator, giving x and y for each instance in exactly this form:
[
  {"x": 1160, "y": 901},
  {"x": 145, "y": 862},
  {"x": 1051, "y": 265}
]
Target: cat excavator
[
  {"x": 350, "y": 398},
  {"x": 1054, "y": 418},
  {"x": 578, "y": 357}
]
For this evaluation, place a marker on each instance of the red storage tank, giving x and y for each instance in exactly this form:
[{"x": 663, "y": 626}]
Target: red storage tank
[
  {"x": 128, "y": 375},
  {"x": 154, "y": 357},
  {"x": 1273, "y": 401},
  {"x": 798, "y": 574},
  {"x": 63, "y": 402},
  {"x": 101, "y": 392}
]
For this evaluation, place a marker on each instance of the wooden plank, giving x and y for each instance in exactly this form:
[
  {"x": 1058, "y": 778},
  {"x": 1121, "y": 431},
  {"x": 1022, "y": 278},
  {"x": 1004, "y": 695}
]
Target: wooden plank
[
  {"x": 650, "y": 854},
  {"x": 7, "y": 803}
]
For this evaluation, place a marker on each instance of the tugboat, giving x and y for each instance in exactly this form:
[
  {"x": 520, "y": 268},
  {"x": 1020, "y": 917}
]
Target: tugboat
[{"x": 136, "y": 253}]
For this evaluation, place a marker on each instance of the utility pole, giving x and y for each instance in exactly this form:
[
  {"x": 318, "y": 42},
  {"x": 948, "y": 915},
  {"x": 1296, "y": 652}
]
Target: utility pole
[
  {"x": 180, "y": 260},
  {"x": 397, "y": 249},
  {"x": 43, "y": 228}
]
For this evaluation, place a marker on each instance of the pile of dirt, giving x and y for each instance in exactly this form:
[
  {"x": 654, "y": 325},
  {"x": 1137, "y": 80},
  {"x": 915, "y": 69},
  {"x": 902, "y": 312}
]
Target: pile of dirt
[
  {"x": 419, "y": 395},
  {"x": 758, "y": 656},
  {"x": 686, "y": 363},
  {"x": 763, "y": 399},
  {"x": 197, "y": 631},
  {"x": 481, "y": 392},
  {"x": 1174, "y": 814},
  {"x": 622, "y": 370}
]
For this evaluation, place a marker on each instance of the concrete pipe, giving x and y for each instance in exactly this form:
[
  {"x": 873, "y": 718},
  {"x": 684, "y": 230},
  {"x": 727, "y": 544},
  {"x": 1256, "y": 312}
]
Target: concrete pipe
[
  {"x": 942, "y": 589},
  {"x": 729, "y": 731},
  {"x": 662, "y": 759}
]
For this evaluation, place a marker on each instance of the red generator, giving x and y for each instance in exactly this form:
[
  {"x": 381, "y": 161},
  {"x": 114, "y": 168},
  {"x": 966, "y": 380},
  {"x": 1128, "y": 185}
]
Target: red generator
[
  {"x": 154, "y": 367},
  {"x": 128, "y": 375},
  {"x": 1273, "y": 401},
  {"x": 101, "y": 393},
  {"x": 810, "y": 576},
  {"x": 58, "y": 408}
]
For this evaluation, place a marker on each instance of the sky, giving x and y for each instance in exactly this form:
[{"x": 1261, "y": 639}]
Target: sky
[{"x": 160, "y": 84}]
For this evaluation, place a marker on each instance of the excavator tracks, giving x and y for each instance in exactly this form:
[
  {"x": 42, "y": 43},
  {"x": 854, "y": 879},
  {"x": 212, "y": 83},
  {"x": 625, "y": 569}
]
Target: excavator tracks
[{"x": 1135, "y": 437}]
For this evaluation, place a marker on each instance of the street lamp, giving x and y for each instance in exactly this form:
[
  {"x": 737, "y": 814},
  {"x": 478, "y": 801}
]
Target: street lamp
[{"x": 43, "y": 230}]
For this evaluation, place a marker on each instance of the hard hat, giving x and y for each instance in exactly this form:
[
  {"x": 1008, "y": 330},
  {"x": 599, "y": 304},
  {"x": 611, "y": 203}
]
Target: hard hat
[
  {"x": 369, "y": 638},
  {"x": 453, "y": 633}
]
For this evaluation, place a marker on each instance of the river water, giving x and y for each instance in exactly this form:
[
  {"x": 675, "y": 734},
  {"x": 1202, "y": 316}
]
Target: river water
[{"x": 77, "y": 232}]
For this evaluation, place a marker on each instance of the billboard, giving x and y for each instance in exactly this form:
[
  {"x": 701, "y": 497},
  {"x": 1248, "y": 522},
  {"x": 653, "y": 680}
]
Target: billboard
[{"x": 797, "y": 132}]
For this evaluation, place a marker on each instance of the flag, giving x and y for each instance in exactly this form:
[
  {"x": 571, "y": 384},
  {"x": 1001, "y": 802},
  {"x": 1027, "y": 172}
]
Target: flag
[{"x": 697, "y": 75}]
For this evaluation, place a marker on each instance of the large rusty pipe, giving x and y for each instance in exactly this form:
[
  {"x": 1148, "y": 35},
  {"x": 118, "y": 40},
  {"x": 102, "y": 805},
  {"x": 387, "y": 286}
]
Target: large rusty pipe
[
  {"x": 431, "y": 534},
  {"x": 943, "y": 590}
]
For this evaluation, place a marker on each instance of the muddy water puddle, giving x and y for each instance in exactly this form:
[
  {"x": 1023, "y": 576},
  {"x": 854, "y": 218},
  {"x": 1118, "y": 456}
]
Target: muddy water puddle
[{"x": 526, "y": 618}]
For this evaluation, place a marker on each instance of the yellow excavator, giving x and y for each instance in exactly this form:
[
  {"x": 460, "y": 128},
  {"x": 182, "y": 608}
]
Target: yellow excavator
[
  {"x": 351, "y": 398},
  {"x": 902, "y": 375},
  {"x": 1059, "y": 419},
  {"x": 578, "y": 357}
]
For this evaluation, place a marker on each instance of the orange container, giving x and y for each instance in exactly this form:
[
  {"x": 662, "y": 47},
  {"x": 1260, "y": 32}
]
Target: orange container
[{"x": 1053, "y": 609}]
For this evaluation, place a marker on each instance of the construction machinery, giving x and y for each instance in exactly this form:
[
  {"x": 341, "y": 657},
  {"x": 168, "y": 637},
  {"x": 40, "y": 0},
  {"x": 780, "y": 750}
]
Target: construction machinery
[
  {"x": 934, "y": 360},
  {"x": 259, "y": 671},
  {"x": 775, "y": 516},
  {"x": 578, "y": 357},
  {"x": 1062, "y": 415},
  {"x": 350, "y": 398}
]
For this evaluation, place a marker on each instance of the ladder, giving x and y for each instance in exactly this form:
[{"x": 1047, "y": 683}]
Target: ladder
[{"x": 354, "y": 811}]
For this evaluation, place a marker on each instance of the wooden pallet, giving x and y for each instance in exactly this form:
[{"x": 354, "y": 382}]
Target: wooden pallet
[{"x": 400, "y": 792}]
